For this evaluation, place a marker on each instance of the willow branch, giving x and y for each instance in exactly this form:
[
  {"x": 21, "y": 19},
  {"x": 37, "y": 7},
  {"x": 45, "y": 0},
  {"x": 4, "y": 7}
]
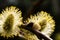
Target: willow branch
[{"x": 36, "y": 32}]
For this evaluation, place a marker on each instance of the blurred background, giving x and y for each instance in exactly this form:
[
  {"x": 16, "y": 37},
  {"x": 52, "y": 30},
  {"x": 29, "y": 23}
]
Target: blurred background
[{"x": 29, "y": 7}]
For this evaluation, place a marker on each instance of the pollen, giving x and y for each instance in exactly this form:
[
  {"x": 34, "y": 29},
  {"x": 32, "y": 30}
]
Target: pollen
[
  {"x": 42, "y": 22},
  {"x": 10, "y": 19}
]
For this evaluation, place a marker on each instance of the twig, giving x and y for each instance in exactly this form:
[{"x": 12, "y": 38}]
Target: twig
[{"x": 38, "y": 33}]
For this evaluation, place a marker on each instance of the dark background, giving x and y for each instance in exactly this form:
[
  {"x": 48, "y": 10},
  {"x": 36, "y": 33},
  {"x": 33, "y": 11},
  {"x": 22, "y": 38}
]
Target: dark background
[{"x": 29, "y": 7}]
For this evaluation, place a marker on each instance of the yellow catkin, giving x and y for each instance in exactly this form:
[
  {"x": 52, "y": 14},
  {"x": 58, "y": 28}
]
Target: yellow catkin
[
  {"x": 43, "y": 22},
  {"x": 28, "y": 35},
  {"x": 11, "y": 18}
]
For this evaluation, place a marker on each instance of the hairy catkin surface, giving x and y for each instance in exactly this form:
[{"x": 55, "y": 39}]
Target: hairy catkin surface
[
  {"x": 43, "y": 22},
  {"x": 10, "y": 19}
]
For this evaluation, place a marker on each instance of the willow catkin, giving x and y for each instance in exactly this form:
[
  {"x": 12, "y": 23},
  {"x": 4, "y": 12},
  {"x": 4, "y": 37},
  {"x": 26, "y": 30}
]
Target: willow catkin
[
  {"x": 10, "y": 19},
  {"x": 43, "y": 22}
]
